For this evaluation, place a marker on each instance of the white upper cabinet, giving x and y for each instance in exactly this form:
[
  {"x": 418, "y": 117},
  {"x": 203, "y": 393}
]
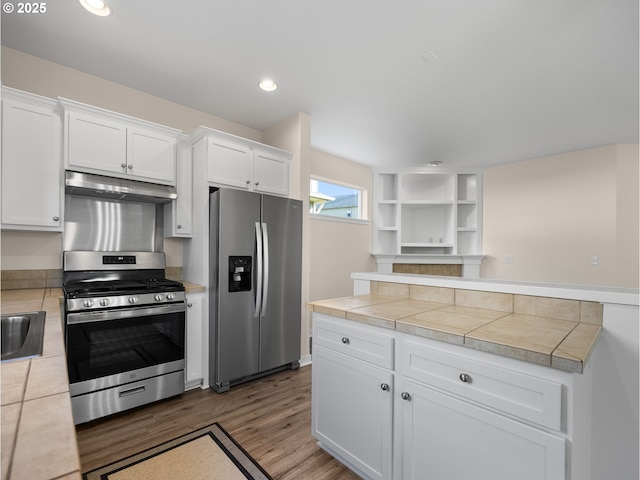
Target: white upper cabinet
[
  {"x": 229, "y": 164},
  {"x": 178, "y": 216},
  {"x": 241, "y": 163},
  {"x": 151, "y": 155},
  {"x": 107, "y": 143},
  {"x": 32, "y": 193},
  {"x": 96, "y": 144}
]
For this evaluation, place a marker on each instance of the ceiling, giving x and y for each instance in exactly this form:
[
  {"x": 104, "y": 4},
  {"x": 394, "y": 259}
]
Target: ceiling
[{"x": 512, "y": 79}]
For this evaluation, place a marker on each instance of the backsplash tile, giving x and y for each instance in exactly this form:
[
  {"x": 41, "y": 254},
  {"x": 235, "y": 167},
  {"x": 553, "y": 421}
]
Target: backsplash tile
[
  {"x": 559, "y": 308},
  {"x": 502, "y": 302},
  {"x": 392, "y": 289},
  {"x": 19, "y": 279},
  {"x": 432, "y": 294},
  {"x": 448, "y": 270},
  {"x": 591, "y": 312}
]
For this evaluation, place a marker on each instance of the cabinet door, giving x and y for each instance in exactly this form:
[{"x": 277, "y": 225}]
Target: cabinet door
[
  {"x": 351, "y": 412},
  {"x": 270, "y": 173},
  {"x": 229, "y": 164},
  {"x": 194, "y": 337},
  {"x": 178, "y": 215},
  {"x": 151, "y": 155},
  {"x": 96, "y": 144},
  {"x": 445, "y": 438},
  {"x": 32, "y": 195}
]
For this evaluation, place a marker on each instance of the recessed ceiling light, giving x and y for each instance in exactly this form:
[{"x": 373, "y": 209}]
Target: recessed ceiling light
[
  {"x": 435, "y": 163},
  {"x": 268, "y": 85},
  {"x": 97, "y": 7}
]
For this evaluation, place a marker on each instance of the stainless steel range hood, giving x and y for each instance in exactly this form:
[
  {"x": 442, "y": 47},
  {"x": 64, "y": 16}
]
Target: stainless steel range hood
[{"x": 109, "y": 188}]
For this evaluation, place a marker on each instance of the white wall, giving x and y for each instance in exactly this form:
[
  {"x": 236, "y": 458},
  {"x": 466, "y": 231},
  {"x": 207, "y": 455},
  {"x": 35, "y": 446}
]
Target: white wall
[{"x": 553, "y": 214}]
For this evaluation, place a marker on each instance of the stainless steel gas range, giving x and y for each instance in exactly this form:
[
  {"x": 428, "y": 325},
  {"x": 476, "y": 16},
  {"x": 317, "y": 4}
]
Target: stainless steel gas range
[{"x": 124, "y": 331}]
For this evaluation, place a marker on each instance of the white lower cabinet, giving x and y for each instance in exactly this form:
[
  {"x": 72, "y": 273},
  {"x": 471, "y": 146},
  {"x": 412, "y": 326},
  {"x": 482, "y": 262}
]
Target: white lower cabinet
[
  {"x": 352, "y": 404},
  {"x": 193, "y": 334},
  {"x": 445, "y": 438},
  {"x": 353, "y": 411},
  {"x": 396, "y": 406}
]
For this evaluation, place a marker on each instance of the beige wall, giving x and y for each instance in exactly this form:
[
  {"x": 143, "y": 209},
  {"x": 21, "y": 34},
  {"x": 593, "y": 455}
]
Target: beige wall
[
  {"x": 337, "y": 247},
  {"x": 35, "y": 75},
  {"x": 553, "y": 214}
]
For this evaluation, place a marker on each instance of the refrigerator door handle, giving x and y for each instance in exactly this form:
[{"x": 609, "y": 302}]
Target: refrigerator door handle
[
  {"x": 265, "y": 240},
  {"x": 258, "y": 303}
]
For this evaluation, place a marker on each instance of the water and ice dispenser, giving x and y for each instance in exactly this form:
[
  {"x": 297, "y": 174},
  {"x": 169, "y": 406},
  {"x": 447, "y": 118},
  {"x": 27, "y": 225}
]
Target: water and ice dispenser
[{"x": 240, "y": 274}]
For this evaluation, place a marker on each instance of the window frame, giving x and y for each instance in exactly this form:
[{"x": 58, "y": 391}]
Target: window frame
[{"x": 362, "y": 202}]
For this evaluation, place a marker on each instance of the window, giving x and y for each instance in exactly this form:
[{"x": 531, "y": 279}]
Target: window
[{"x": 333, "y": 200}]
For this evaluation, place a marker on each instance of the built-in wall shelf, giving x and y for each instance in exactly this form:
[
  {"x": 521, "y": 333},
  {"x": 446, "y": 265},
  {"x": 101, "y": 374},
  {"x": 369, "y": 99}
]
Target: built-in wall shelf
[{"x": 427, "y": 216}]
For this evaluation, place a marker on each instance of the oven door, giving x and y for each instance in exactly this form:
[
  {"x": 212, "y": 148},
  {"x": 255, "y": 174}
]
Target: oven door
[{"x": 114, "y": 347}]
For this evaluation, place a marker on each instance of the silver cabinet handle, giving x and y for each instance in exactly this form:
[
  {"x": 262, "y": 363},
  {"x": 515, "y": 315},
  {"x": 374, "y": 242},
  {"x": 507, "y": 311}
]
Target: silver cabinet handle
[
  {"x": 248, "y": 182},
  {"x": 385, "y": 387},
  {"x": 189, "y": 305},
  {"x": 129, "y": 166},
  {"x": 55, "y": 219},
  {"x": 405, "y": 396},
  {"x": 464, "y": 378},
  {"x": 179, "y": 226},
  {"x": 123, "y": 165},
  {"x": 257, "y": 183},
  {"x": 345, "y": 340}
]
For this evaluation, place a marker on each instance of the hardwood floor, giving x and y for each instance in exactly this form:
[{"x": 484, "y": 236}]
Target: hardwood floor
[{"x": 270, "y": 417}]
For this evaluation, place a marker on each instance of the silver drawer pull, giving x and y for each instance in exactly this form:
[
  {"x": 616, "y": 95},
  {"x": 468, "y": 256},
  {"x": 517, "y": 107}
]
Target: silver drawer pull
[
  {"x": 345, "y": 340},
  {"x": 405, "y": 396},
  {"x": 464, "y": 378},
  {"x": 133, "y": 391},
  {"x": 385, "y": 387}
]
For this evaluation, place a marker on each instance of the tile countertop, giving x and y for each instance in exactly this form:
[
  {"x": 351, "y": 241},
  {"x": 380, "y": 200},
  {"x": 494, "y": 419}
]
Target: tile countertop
[
  {"x": 38, "y": 433},
  {"x": 552, "y": 342}
]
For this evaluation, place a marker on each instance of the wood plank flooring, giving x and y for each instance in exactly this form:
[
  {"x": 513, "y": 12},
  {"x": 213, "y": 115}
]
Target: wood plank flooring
[{"x": 270, "y": 417}]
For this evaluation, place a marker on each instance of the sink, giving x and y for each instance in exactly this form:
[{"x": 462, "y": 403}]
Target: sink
[{"x": 22, "y": 335}]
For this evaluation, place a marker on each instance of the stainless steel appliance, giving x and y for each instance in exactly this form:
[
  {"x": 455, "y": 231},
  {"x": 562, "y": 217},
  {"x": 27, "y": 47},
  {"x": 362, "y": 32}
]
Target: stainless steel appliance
[
  {"x": 124, "y": 331},
  {"x": 255, "y": 285}
]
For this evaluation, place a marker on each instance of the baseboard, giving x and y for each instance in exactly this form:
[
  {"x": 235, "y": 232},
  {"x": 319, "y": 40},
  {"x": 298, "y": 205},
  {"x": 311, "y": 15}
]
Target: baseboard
[{"x": 305, "y": 361}]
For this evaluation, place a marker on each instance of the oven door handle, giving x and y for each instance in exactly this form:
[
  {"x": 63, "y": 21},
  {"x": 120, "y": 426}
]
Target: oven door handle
[{"x": 106, "y": 315}]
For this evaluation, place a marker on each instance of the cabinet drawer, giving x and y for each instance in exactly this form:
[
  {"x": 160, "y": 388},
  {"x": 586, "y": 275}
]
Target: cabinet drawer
[
  {"x": 532, "y": 398},
  {"x": 359, "y": 341}
]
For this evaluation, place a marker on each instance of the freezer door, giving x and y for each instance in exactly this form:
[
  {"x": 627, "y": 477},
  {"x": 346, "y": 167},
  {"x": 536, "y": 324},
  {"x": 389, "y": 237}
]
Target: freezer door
[
  {"x": 281, "y": 314},
  {"x": 234, "y": 330}
]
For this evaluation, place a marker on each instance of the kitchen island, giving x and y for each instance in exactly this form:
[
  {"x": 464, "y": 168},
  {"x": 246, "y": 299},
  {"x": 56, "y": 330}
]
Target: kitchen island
[{"x": 451, "y": 365}]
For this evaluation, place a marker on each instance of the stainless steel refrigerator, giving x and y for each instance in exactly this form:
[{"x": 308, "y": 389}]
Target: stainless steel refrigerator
[{"x": 255, "y": 275}]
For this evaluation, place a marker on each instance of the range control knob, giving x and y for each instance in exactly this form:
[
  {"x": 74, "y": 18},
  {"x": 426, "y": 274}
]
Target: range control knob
[
  {"x": 170, "y": 296},
  {"x": 88, "y": 303},
  {"x": 104, "y": 302},
  {"x": 133, "y": 299},
  {"x": 158, "y": 297}
]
